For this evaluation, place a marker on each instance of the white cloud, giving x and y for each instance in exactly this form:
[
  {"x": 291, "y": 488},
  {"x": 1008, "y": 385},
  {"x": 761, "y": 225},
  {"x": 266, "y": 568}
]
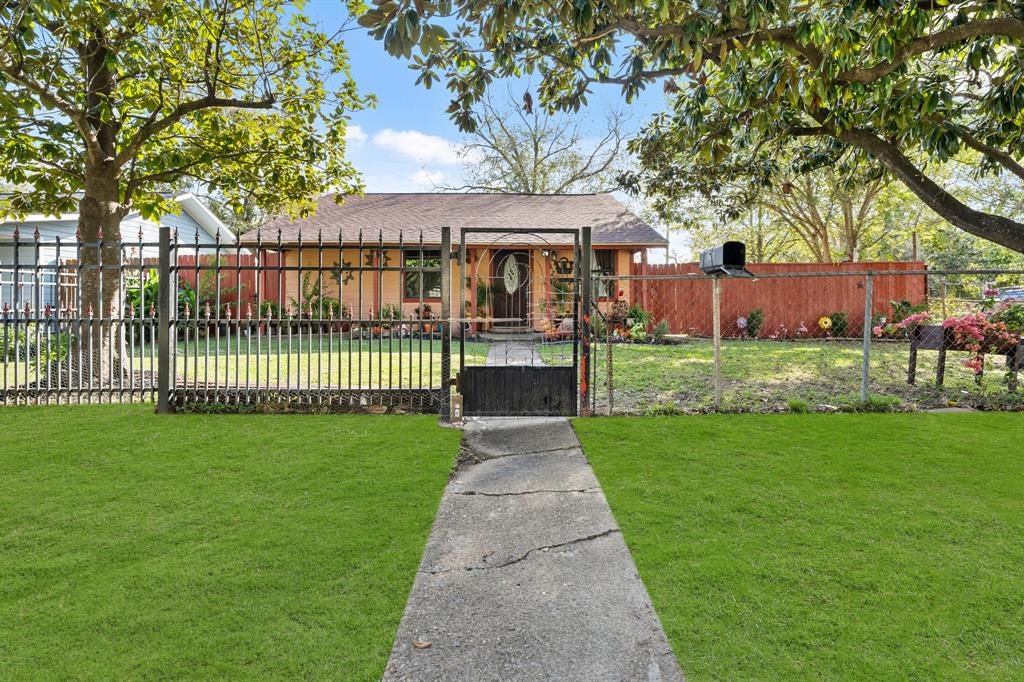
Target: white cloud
[
  {"x": 426, "y": 178},
  {"x": 420, "y": 146},
  {"x": 355, "y": 135}
]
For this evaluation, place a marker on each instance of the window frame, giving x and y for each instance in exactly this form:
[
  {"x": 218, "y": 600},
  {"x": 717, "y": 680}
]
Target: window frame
[
  {"x": 421, "y": 272},
  {"x": 613, "y": 285}
]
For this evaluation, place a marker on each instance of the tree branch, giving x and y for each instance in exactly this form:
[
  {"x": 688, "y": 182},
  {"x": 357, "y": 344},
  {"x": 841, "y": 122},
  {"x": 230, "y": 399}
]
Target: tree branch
[
  {"x": 47, "y": 97},
  {"x": 1004, "y": 159},
  {"x": 181, "y": 111},
  {"x": 1006, "y": 26},
  {"x": 996, "y": 228}
]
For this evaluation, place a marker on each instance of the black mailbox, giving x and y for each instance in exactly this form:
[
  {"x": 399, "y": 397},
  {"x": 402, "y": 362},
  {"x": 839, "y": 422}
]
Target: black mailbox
[{"x": 728, "y": 259}]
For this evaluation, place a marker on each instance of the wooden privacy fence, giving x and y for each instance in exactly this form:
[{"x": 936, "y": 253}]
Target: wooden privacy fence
[
  {"x": 682, "y": 296},
  {"x": 238, "y": 277}
]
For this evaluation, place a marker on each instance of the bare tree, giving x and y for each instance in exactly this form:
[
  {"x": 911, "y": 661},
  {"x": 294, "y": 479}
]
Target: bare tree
[
  {"x": 525, "y": 150},
  {"x": 834, "y": 221}
]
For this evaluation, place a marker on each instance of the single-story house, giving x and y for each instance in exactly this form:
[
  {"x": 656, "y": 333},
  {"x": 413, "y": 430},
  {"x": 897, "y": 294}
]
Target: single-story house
[
  {"x": 399, "y": 220},
  {"x": 195, "y": 219}
]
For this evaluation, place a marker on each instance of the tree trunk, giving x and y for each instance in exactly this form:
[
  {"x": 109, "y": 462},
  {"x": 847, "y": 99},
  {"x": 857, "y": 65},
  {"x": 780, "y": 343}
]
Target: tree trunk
[{"x": 97, "y": 356}]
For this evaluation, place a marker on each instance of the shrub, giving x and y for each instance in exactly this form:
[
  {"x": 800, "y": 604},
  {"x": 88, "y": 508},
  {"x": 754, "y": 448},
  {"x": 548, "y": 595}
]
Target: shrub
[
  {"x": 799, "y": 406},
  {"x": 978, "y": 334},
  {"x": 24, "y": 346},
  {"x": 902, "y": 328},
  {"x": 901, "y": 310},
  {"x": 1012, "y": 316},
  {"x": 270, "y": 310},
  {"x": 840, "y": 323},
  {"x": 880, "y": 403},
  {"x": 638, "y": 332},
  {"x": 754, "y": 322},
  {"x": 660, "y": 331},
  {"x": 598, "y": 327},
  {"x": 664, "y": 409}
]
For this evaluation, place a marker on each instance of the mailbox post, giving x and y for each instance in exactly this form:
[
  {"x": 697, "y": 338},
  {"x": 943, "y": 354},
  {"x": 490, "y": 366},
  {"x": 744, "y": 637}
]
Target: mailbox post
[
  {"x": 716, "y": 325},
  {"x": 727, "y": 260}
]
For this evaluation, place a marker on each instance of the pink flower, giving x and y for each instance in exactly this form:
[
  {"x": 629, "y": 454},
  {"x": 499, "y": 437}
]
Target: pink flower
[
  {"x": 912, "y": 320},
  {"x": 877, "y": 330},
  {"x": 975, "y": 364}
]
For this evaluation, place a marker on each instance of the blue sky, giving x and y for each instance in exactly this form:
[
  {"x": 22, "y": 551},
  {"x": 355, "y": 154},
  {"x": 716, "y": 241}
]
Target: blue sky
[
  {"x": 407, "y": 143},
  {"x": 409, "y": 132}
]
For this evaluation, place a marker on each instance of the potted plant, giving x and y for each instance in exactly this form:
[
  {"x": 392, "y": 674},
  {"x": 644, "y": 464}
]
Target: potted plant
[{"x": 424, "y": 314}]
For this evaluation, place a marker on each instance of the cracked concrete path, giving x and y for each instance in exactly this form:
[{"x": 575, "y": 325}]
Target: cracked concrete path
[{"x": 526, "y": 575}]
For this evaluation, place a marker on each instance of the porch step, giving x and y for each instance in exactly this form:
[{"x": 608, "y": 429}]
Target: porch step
[
  {"x": 525, "y": 335},
  {"x": 505, "y": 331}
]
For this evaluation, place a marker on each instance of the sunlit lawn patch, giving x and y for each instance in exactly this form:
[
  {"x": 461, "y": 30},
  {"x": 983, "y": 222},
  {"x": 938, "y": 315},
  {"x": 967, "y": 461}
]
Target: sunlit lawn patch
[
  {"x": 825, "y": 546},
  {"x": 193, "y": 546}
]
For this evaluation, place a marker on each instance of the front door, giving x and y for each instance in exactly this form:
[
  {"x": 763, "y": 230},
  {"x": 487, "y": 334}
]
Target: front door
[{"x": 511, "y": 282}]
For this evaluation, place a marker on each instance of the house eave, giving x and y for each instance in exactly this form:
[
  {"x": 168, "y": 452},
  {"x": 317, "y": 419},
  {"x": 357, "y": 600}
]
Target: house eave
[{"x": 268, "y": 244}]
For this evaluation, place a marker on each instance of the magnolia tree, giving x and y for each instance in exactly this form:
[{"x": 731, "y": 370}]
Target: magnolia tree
[
  {"x": 755, "y": 86},
  {"x": 104, "y": 102}
]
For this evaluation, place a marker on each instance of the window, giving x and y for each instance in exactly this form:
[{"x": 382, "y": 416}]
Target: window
[
  {"x": 604, "y": 262},
  {"x": 430, "y": 279}
]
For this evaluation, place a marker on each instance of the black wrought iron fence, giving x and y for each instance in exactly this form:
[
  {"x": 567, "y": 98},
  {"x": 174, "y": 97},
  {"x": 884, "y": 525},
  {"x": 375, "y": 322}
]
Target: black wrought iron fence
[{"x": 193, "y": 324}]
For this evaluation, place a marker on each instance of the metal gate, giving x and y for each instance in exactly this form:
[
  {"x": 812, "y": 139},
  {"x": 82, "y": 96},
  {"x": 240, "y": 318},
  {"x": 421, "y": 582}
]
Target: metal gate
[{"x": 523, "y": 328}]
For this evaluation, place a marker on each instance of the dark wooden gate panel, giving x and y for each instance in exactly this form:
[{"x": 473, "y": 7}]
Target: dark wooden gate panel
[{"x": 519, "y": 391}]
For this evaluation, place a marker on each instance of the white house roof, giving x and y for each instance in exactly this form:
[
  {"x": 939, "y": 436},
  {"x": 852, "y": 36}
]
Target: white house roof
[{"x": 190, "y": 204}]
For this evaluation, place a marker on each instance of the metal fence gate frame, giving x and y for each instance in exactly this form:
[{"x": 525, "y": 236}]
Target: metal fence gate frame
[{"x": 526, "y": 390}]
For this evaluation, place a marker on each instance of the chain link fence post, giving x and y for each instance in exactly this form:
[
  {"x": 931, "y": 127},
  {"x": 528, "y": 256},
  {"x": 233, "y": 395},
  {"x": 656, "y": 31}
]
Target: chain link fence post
[
  {"x": 611, "y": 388},
  {"x": 865, "y": 363}
]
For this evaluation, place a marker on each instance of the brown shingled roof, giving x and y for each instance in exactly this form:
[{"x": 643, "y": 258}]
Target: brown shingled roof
[{"x": 408, "y": 214}]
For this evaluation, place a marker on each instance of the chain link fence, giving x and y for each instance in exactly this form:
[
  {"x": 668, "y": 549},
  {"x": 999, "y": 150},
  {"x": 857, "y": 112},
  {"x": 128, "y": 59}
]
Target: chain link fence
[{"x": 812, "y": 341}]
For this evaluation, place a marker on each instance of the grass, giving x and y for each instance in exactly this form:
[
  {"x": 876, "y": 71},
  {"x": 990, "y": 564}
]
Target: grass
[
  {"x": 188, "y": 546},
  {"x": 378, "y": 363},
  {"x": 764, "y": 375},
  {"x": 870, "y": 547}
]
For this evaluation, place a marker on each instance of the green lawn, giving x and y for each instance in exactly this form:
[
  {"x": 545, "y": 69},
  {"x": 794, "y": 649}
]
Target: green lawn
[
  {"x": 315, "y": 362},
  {"x": 870, "y": 547},
  {"x": 378, "y": 363},
  {"x": 764, "y": 375},
  {"x": 141, "y": 546}
]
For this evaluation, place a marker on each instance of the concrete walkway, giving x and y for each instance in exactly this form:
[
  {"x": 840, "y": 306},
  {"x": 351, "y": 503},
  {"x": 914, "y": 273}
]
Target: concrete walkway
[
  {"x": 508, "y": 353},
  {"x": 526, "y": 575}
]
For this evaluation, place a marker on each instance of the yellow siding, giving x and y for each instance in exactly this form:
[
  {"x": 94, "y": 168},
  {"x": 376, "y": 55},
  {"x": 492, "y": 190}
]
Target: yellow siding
[{"x": 384, "y": 288}]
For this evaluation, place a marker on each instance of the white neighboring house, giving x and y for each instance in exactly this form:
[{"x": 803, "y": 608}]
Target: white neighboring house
[{"x": 195, "y": 221}]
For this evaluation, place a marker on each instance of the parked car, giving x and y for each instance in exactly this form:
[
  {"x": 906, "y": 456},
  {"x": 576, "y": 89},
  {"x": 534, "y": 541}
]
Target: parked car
[{"x": 1011, "y": 295}]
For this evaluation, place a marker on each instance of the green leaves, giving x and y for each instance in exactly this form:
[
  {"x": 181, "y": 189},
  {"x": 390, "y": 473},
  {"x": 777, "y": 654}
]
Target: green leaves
[
  {"x": 249, "y": 98},
  {"x": 752, "y": 82}
]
